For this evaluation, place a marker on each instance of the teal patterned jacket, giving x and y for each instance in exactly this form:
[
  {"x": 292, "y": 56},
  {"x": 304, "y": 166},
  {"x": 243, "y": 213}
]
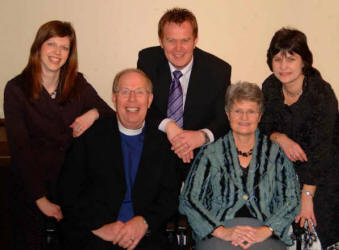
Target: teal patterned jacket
[{"x": 213, "y": 191}]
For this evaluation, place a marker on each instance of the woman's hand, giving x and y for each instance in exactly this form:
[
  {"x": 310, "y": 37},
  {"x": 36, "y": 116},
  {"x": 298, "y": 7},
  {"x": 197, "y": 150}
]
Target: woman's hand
[
  {"x": 83, "y": 122},
  {"x": 306, "y": 211},
  {"x": 258, "y": 234},
  {"x": 292, "y": 149},
  {"x": 261, "y": 233},
  {"x": 242, "y": 236},
  {"x": 49, "y": 208}
]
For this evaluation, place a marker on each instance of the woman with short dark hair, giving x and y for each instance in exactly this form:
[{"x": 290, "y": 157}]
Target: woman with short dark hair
[
  {"x": 47, "y": 104},
  {"x": 300, "y": 115}
]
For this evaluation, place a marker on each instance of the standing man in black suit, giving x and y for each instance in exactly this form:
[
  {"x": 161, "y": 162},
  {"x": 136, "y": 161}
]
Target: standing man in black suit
[
  {"x": 203, "y": 78},
  {"x": 118, "y": 187}
]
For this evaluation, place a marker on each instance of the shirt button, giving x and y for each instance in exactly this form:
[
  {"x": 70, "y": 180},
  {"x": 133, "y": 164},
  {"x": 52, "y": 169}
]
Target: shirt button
[{"x": 245, "y": 197}]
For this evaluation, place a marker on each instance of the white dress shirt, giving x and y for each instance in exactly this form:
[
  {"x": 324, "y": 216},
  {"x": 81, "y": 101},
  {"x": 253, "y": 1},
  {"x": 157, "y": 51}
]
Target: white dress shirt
[{"x": 184, "y": 81}]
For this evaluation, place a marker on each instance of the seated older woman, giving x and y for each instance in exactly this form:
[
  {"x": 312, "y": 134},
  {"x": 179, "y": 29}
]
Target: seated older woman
[{"x": 242, "y": 190}]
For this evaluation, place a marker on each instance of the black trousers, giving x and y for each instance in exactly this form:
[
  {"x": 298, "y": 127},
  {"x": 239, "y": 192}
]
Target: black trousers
[
  {"x": 89, "y": 241},
  {"x": 147, "y": 243},
  {"x": 326, "y": 207}
]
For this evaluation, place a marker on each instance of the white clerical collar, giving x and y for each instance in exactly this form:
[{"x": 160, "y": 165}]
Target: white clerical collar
[
  {"x": 130, "y": 132},
  {"x": 184, "y": 70}
]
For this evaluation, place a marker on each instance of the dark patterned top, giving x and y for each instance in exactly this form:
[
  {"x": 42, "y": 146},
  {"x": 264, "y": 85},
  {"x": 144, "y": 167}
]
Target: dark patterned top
[
  {"x": 214, "y": 191},
  {"x": 310, "y": 122}
]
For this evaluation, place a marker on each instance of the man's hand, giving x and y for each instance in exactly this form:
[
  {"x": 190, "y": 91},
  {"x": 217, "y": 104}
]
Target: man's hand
[
  {"x": 131, "y": 233},
  {"x": 49, "y": 208},
  {"x": 172, "y": 130},
  {"x": 83, "y": 122},
  {"x": 187, "y": 141},
  {"x": 109, "y": 232}
]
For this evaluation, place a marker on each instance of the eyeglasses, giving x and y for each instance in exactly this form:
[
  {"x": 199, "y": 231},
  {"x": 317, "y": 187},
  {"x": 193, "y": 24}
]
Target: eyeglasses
[
  {"x": 250, "y": 113},
  {"x": 138, "y": 92}
]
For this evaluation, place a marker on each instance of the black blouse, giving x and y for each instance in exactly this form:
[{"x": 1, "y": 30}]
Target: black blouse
[
  {"x": 39, "y": 133},
  {"x": 311, "y": 122}
]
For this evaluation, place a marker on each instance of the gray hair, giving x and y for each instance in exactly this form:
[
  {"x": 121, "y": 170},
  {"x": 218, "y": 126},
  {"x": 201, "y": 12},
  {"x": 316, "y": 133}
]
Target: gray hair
[
  {"x": 244, "y": 91},
  {"x": 131, "y": 70}
]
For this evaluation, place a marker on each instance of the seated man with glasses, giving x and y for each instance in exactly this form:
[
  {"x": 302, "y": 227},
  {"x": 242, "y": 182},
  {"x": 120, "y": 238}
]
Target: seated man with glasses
[{"x": 119, "y": 185}]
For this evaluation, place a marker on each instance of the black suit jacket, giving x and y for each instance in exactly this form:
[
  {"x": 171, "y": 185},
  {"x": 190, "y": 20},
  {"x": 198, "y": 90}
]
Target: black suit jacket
[
  {"x": 92, "y": 185},
  {"x": 205, "y": 99}
]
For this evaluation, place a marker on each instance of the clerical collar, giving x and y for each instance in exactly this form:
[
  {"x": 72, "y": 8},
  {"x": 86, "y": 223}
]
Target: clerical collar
[
  {"x": 188, "y": 67},
  {"x": 130, "y": 132}
]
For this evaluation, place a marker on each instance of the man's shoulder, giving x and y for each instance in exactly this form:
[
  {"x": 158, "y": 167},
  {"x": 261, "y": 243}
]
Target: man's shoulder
[
  {"x": 153, "y": 133},
  {"x": 150, "y": 59},
  {"x": 152, "y": 126},
  {"x": 209, "y": 59},
  {"x": 151, "y": 52},
  {"x": 102, "y": 127}
]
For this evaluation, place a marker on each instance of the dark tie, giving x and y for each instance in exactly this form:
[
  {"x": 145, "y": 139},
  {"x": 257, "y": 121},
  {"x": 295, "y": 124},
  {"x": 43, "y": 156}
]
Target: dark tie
[{"x": 175, "y": 100}]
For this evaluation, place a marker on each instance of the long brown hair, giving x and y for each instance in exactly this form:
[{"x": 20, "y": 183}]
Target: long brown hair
[{"x": 68, "y": 71}]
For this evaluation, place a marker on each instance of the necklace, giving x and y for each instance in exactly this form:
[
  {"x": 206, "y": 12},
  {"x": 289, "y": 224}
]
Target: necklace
[
  {"x": 53, "y": 94},
  {"x": 298, "y": 93},
  {"x": 245, "y": 154}
]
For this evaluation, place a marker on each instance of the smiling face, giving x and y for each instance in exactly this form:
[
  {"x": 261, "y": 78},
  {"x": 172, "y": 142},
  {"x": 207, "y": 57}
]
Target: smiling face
[
  {"x": 132, "y": 100},
  {"x": 288, "y": 68},
  {"x": 244, "y": 117},
  {"x": 178, "y": 43},
  {"x": 54, "y": 53}
]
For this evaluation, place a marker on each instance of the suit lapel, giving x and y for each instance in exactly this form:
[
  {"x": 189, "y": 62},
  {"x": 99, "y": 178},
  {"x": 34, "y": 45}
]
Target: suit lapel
[
  {"x": 196, "y": 86},
  {"x": 113, "y": 139},
  {"x": 150, "y": 151}
]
